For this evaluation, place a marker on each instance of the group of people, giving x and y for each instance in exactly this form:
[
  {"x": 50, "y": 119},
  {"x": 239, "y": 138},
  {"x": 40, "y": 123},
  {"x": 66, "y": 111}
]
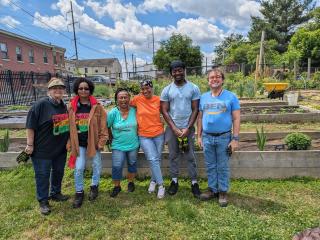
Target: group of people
[{"x": 83, "y": 128}]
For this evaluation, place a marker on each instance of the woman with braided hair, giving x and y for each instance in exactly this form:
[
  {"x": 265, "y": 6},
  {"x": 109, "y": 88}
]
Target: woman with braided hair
[{"x": 122, "y": 125}]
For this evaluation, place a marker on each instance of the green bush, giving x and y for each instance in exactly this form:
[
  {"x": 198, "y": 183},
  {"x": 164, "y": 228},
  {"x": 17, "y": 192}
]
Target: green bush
[{"x": 297, "y": 141}]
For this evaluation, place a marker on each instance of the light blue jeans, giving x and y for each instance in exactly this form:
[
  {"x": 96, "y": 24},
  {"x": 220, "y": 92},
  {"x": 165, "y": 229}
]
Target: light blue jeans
[
  {"x": 118, "y": 159},
  {"x": 152, "y": 148},
  {"x": 217, "y": 161},
  {"x": 80, "y": 166}
]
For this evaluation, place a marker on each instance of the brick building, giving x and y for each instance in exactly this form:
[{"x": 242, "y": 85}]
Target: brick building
[{"x": 22, "y": 54}]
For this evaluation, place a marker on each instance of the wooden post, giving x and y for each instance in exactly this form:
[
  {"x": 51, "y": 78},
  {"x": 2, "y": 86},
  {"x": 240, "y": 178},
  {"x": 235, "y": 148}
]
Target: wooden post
[
  {"x": 295, "y": 69},
  {"x": 309, "y": 69},
  {"x": 261, "y": 54}
]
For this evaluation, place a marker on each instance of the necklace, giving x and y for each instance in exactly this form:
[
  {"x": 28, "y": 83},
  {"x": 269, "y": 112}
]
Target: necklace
[{"x": 218, "y": 93}]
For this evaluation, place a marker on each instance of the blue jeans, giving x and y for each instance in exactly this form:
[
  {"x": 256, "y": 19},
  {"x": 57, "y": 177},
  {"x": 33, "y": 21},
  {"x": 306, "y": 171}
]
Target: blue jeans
[
  {"x": 80, "y": 166},
  {"x": 217, "y": 161},
  {"x": 48, "y": 173},
  {"x": 118, "y": 159},
  {"x": 152, "y": 148}
]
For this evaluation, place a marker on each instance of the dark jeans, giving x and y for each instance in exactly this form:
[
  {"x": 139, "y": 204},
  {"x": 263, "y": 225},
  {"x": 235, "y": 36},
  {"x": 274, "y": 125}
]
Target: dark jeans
[{"x": 48, "y": 173}]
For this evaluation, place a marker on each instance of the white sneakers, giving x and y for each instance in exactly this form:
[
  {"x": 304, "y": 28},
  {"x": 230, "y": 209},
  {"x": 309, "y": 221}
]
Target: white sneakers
[
  {"x": 161, "y": 189},
  {"x": 161, "y": 192},
  {"x": 152, "y": 187}
]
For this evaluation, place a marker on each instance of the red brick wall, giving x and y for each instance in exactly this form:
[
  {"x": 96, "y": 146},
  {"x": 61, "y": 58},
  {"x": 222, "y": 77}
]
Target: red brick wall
[{"x": 38, "y": 65}]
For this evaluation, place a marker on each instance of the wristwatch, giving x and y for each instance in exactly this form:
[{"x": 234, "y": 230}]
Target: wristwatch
[{"x": 236, "y": 138}]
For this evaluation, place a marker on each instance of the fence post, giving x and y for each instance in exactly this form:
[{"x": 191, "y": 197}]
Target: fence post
[
  {"x": 10, "y": 80},
  {"x": 309, "y": 69},
  {"x": 33, "y": 88}
]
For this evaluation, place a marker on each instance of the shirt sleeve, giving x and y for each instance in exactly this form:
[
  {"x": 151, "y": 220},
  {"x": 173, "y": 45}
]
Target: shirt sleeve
[
  {"x": 32, "y": 118},
  {"x": 235, "y": 105},
  {"x": 201, "y": 104},
  {"x": 164, "y": 95},
  {"x": 110, "y": 118},
  {"x": 196, "y": 93},
  {"x": 133, "y": 101}
]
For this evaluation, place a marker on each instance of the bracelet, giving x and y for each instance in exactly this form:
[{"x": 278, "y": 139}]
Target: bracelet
[
  {"x": 30, "y": 145},
  {"x": 236, "y": 138}
]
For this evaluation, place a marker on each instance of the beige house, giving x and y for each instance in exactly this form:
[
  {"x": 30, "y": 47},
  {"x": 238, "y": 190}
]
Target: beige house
[{"x": 109, "y": 67}]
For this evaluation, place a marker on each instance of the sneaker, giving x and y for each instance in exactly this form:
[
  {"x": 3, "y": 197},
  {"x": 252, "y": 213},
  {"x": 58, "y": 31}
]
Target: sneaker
[
  {"x": 94, "y": 191},
  {"x": 223, "y": 200},
  {"x": 152, "y": 187},
  {"x": 59, "y": 197},
  {"x": 173, "y": 188},
  {"x": 208, "y": 195},
  {"x": 195, "y": 190},
  {"x": 115, "y": 191},
  {"x": 78, "y": 199},
  {"x": 131, "y": 187},
  {"x": 44, "y": 207},
  {"x": 161, "y": 192}
]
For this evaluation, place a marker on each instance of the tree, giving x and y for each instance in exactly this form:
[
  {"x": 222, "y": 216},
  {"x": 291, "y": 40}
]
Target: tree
[
  {"x": 178, "y": 47},
  {"x": 222, "y": 50},
  {"x": 280, "y": 18}
]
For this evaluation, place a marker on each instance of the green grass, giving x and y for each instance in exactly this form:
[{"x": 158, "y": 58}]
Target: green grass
[
  {"x": 266, "y": 209},
  {"x": 13, "y": 133}
]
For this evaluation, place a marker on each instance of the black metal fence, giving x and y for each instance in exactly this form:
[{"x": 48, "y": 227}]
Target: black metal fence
[{"x": 23, "y": 88}]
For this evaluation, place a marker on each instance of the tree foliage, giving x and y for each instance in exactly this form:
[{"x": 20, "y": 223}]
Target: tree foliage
[
  {"x": 178, "y": 47},
  {"x": 279, "y": 20}
]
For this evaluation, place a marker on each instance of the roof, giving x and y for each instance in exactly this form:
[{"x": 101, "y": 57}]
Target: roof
[
  {"x": 14, "y": 35},
  {"x": 97, "y": 62}
]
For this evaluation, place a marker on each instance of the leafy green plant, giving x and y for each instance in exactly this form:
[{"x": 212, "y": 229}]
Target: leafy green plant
[
  {"x": 261, "y": 139},
  {"x": 4, "y": 143},
  {"x": 297, "y": 141}
]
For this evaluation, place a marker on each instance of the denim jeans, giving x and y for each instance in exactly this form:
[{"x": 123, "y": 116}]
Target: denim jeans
[
  {"x": 80, "y": 166},
  {"x": 118, "y": 159},
  {"x": 175, "y": 154},
  {"x": 217, "y": 161},
  {"x": 48, "y": 173},
  {"x": 152, "y": 148}
]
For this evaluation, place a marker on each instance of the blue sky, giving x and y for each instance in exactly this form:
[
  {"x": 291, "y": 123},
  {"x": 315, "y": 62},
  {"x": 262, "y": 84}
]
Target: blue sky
[{"x": 105, "y": 26}]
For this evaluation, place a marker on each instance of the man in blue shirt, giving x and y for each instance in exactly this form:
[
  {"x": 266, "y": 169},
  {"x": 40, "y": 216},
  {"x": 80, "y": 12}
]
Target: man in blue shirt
[
  {"x": 219, "y": 113},
  {"x": 179, "y": 106}
]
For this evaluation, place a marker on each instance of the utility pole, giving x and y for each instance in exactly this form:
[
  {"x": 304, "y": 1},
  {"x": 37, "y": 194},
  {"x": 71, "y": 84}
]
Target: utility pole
[
  {"x": 261, "y": 55},
  {"x": 132, "y": 59},
  {"x": 125, "y": 60},
  {"x": 152, "y": 44},
  {"x": 74, "y": 32}
]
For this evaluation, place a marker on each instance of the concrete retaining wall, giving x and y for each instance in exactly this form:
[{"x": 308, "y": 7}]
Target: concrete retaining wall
[
  {"x": 250, "y": 164},
  {"x": 282, "y": 118}
]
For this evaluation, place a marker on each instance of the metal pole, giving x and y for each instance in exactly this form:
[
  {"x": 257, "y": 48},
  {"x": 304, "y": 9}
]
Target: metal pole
[
  {"x": 74, "y": 32},
  {"x": 125, "y": 60}
]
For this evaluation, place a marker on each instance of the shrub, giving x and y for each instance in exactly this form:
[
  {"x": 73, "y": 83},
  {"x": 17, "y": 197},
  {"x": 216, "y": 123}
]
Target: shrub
[
  {"x": 261, "y": 139},
  {"x": 4, "y": 143},
  {"x": 297, "y": 141}
]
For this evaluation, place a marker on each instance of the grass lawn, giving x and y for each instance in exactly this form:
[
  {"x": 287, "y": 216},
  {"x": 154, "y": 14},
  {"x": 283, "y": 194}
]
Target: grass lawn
[{"x": 268, "y": 209}]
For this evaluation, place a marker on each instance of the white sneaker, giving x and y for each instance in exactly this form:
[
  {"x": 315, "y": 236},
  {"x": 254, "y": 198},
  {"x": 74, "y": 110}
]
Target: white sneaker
[
  {"x": 161, "y": 192},
  {"x": 152, "y": 187}
]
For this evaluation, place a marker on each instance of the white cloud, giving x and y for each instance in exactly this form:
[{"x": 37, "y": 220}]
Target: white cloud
[
  {"x": 4, "y": 2},
  {"x": 9, "y": 22},
  {"x": 53, "y": 6}
]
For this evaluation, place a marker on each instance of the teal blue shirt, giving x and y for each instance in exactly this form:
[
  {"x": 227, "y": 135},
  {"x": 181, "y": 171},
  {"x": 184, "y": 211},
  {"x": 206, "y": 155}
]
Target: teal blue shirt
[{"x": 124, "y": 131}]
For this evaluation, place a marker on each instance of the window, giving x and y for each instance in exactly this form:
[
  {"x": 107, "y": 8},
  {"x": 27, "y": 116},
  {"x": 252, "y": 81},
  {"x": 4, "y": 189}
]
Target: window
[
  {"x": 105, "y": 69},
  {"x": 45, "y": 56},
  {"x": 19, "y": 54},
  {"x": 61, "y": 60},
  {"x": 96, "y": 70},
  {"x": 85, "y": 70},
  {"x": 4, "y": 51},
  {"x": 22, "y": 79},
  {"x": 54, "y": 58},
  {"x": 31, "y": 56}
]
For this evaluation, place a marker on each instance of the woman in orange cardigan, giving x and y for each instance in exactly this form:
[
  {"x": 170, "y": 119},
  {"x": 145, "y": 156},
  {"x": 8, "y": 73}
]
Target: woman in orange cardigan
[{"x": 88, "y": 135}]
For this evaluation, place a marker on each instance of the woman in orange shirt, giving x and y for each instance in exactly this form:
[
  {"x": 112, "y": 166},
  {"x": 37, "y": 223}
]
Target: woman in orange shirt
[{"x": 151, "y": 133}]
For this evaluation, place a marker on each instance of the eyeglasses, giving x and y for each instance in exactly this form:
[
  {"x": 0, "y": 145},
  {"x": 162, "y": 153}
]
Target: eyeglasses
[
  {"x": 215, "y": 77},
  {"x": 83, "y": 89}
]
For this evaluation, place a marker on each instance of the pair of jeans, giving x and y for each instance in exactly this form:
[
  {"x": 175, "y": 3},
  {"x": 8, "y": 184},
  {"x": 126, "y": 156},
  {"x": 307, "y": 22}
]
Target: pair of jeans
[
  {"x": 48, "y": 173},
  {"x": 175, "y": 154},
  {"x": 118, "y": 159},
  {"x": 152, "y": 148},
  {"x": 80, "y": 166},
  {"x": 217, "y": 161}
]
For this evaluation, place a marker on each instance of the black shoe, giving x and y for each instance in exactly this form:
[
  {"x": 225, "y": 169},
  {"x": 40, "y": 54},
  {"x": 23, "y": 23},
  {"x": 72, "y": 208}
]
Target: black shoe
[
  {"x": 94, "y": 190},
  {"x": 131, "y": 187},
  {"x": 78, "y": 199},
  {"x": 44, "y": 207},
  {"x": 58, "y": 197},
  {"x": 115, "y": 191},
  {"x": 195, "y": 190},
  {"x": 173, "y": 188}
]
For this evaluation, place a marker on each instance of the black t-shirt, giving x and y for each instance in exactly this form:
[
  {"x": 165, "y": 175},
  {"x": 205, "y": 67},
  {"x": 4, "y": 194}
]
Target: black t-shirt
[
  {"x": 50, "y": 123},
  {"x": 82, "y": 116}
]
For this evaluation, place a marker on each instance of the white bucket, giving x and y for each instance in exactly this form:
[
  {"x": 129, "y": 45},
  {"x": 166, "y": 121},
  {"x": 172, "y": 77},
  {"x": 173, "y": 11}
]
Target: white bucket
[{"x": 292, "y": 98}]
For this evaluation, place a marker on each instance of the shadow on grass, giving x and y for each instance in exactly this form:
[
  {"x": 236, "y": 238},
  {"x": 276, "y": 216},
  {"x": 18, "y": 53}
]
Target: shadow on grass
[{"x": 255, "y": 205}]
